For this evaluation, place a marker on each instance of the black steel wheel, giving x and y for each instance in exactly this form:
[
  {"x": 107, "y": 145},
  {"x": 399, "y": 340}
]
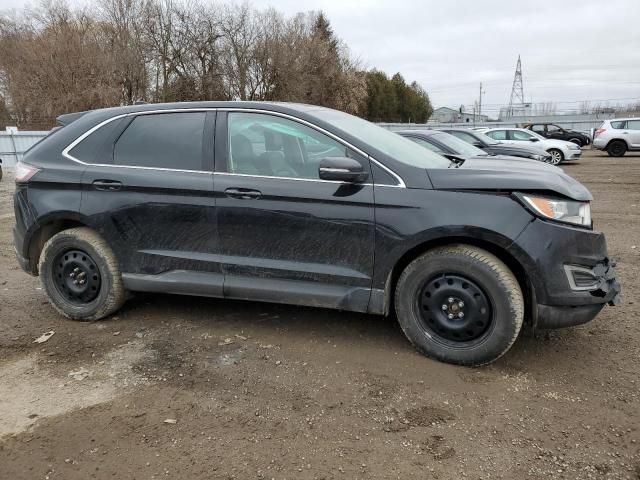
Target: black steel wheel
[
  {"x": 81, "y": 275},
  {"x": 459, "y": 304},
  {"x": 617, "y": 148},
  {"x": 455, "y": 309},
  {"x": 76, "y": 276}
]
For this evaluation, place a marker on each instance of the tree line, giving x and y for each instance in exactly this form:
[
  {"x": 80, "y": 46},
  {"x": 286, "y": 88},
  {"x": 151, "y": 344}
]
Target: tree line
[{"x": 59, "y": 59}]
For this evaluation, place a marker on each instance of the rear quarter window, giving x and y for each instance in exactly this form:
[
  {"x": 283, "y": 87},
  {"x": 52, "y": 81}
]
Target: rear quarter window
[
  {"x": 618, "y": 124},
  {"x": 95, "y": 147}
]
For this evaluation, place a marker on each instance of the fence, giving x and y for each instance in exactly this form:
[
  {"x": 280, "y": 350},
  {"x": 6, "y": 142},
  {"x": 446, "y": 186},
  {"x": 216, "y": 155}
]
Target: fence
[
  {"x": 13, "y": 145},
  {"x": 585, "y": 126}
]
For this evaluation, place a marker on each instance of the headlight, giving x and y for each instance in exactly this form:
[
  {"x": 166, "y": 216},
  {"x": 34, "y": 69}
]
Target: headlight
[
  {"x": 569, "y": 211},
  {"x": 541, "y": 158}
]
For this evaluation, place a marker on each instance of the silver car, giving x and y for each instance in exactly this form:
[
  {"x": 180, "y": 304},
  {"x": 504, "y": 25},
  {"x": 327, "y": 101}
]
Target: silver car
[
  {"x": 618, "y": 136},
  {"x": 560, "y": 150}
]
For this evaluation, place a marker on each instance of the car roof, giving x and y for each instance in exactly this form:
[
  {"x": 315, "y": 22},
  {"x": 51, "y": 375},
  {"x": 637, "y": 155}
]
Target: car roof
[
  {"x": 622, "y": 119},
  {"x": 284, "y": 107}
]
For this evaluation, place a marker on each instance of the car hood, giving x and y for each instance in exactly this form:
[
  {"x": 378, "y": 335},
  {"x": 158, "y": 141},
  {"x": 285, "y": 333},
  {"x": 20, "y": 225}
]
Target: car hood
[
  {"x": 550, "y": 143},
  {"x": 508, "y": 176}
]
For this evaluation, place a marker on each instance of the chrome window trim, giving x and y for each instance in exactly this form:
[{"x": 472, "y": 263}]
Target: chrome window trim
[{"x": 72, "y": 145}]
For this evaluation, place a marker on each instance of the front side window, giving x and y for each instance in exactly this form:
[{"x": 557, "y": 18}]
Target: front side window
[
  {"x": 554, "y": 129},
  {"x": 268, "y": 145},
  {"x": 538, "y": 128},
  {"x": 163, "y": 140},
  {"x": 497, "y": 134}
]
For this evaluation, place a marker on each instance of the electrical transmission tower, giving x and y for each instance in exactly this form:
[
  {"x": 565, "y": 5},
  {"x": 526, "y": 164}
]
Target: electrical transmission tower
[{"x": 516, "y": 102}]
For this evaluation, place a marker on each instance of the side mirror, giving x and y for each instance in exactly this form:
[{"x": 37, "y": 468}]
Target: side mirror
[
  {"x": 342, "y": 169},
  {"x": 478, "y": 144},
  {"x": 534, "y": 139}
]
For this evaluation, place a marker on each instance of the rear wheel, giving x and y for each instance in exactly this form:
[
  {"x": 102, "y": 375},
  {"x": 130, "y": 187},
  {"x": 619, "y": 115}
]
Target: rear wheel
[
  {"x": 556, "y": 156},
  {"x": 459, "y": 304},
  {"x": 617, "y": 148},
  {"x": 81, "y": 276}
]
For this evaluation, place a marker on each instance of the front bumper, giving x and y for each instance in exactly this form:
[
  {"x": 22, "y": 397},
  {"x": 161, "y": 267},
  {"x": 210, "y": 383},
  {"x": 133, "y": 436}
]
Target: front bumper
[
  {"x": 544, "y": 249},
  {"x": 573, "y": 155},
  {"x": 606, "y": 287}
]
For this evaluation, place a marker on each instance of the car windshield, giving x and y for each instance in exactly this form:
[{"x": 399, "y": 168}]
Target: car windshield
[
  {"x": 459, "y": 146},
  {"x": 389, "y": 143}
]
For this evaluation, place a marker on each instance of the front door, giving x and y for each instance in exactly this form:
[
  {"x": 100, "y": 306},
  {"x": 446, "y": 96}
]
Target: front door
[{"x": 285, "y": 235}]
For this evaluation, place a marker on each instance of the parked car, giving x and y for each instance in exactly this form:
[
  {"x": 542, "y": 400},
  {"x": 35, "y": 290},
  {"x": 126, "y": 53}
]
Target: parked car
[
  {"x": 618, "y": 136},
  {"x": 560, "y": 150},
  {"x": 556, "y": 132},
  {"x": 493, "y": 147},
  {"x": 309, "y": 206},
  {"x": 449, "y": 146}
]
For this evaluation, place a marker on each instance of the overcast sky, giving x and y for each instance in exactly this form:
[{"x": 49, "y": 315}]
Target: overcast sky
[{"x": 571, "y": 50}]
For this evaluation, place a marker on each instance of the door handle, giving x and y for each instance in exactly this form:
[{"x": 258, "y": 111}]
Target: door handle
[
  {"x": 242, "y": 193},
  {"x": 106, "y": 185}
]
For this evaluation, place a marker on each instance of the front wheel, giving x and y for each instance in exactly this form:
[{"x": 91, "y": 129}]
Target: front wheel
[
  {"x": 81, "y": 275},
  {"x": 556, "y": 156},
  {"x": 459, "y": 304}
]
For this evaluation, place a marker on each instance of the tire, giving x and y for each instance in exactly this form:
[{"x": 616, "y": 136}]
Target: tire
[
  {"x": 617, "y": 148},
  {"x": 450, "y": 267},
  {"x": 557, "y": 156},
  {"x": 69, "y": 253}
]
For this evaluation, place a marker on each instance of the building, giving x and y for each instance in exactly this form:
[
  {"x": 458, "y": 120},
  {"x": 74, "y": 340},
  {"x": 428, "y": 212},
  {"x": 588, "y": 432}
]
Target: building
[{"x": 451, "y": 115}]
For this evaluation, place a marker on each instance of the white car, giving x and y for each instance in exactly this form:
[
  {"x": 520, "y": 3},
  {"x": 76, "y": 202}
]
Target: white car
[
  {"x": 617, "y": 136},
  {"x": 560, "y": 150}
]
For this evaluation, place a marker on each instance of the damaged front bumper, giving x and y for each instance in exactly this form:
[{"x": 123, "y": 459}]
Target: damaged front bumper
[
  {"x": 599, "y": 281},
  {"x": 571, "y": 276}
]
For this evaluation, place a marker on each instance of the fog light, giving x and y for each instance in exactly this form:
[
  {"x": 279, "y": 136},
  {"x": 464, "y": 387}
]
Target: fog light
[{"x": 581, "y": 278}]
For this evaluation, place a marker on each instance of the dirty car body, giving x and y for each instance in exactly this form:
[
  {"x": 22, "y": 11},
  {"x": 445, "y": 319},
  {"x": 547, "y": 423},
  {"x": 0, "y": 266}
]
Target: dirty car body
[{"x": 296, "y": 204}]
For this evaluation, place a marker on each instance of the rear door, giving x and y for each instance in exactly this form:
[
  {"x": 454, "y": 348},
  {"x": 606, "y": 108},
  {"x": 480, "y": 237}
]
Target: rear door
[
  {"x": 149, "y": 192},
  {"x": 285, "y": 235}
]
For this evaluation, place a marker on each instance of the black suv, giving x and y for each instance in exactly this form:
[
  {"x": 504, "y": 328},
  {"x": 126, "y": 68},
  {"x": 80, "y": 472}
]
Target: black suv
[
  {"x": 549, "y": 130},
  {"x": 310, "y": 206}
]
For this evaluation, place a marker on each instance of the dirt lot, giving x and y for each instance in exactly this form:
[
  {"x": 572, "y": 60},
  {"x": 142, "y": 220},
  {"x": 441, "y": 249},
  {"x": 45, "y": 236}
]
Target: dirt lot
[{"x": 180, "y": 387}]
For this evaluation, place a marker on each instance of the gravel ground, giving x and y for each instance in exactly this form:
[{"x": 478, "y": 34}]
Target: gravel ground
[{"x": 181, "y": 387}]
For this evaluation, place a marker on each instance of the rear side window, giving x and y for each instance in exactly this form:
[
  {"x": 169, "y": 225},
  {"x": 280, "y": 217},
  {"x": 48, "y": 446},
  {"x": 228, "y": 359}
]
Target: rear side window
[
  {"x": 164, "y": 140},
  {"x": 619, "y": 124},
  {"x": 497, "y": 134},
  {"x": 93, "y": 148},
  {"x": 633, "y": 124}
]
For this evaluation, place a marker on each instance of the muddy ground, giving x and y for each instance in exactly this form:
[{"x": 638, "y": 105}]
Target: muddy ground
[{"x": 192, "y": 388}]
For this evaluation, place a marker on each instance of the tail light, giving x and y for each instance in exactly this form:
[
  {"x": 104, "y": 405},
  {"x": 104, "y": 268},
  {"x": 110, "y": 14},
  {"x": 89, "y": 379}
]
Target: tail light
[
  {"x": 24, "y": 172},
  {"x": 599, "y": 131}
]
